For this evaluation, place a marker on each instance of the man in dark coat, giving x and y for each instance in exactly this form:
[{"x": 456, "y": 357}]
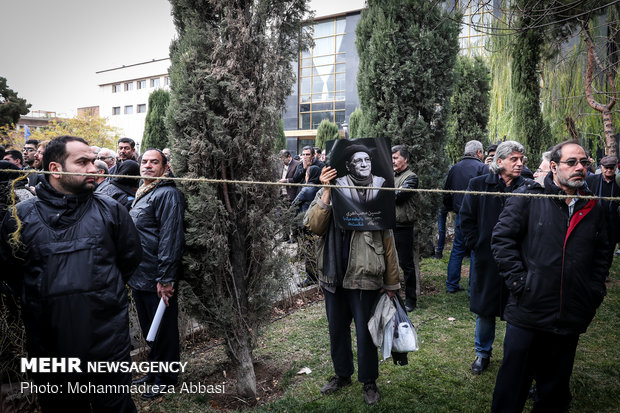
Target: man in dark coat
[
  {"x": 158, "y": 214},
  {"x": 604, "y": 185},
  {"x": 286, "y": 173},
  {"x": 479, "y": 214},
  {"x": 458, "y": 179},
  {"x": 122, "y": 190},
  {"x": 78, "y": 249},
  {"x": 307, "y": 159},
  {"x": 553, "y": 255}
]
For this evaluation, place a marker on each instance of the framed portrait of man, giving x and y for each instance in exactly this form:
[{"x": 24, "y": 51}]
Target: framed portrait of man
[{"x": 364, "y": 166}]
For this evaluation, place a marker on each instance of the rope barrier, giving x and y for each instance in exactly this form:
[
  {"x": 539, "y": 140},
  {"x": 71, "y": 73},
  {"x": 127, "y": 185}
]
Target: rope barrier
[{"x": 268, "y": 183}]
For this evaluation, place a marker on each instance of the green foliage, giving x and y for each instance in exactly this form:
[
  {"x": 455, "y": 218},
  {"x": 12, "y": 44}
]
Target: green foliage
[
  {"x": 528, "y": 126},
  {"x": 470, "y": 105},
  {"x": 155, "y": 134},
  {"x": 11, "y": 106},
  {"x": 355, "y": 121},
  {"x": 500, "y": 63},
  {"x": 280, "y": 138},
  {"x": 407, "y": 51},
  {"x": 230, "y": 76},
  {"x": 326, "y": 131}
]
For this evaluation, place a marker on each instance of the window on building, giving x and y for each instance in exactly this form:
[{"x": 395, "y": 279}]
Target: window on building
[
  {"x": 322, "y": 75},
  {"x": 128, "y": 86},
  {"x": 116, "y": 110},
  {"x": 167, "y": 80},
  {"x": 129, "y": 110},
  {"x": 141, "y": 84},
  {"x": 116, "y": 88},
  {"x": 476, "y": 23},
  {"x": 155, "y": 82},
  {"x": 141, "y": 108}
]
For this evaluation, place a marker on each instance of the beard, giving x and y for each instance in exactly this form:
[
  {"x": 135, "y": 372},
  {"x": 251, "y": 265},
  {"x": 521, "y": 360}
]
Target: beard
[
  {"x": 76, "y": 184},
  {"x": 572, "y": 183}
]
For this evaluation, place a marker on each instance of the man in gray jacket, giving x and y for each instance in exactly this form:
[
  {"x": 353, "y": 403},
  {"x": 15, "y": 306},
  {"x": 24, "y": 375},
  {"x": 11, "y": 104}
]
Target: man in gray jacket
[{"x": 158, "y": 215}]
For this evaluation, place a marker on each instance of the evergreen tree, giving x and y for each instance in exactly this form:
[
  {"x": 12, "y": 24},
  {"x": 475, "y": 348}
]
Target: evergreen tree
[
  {"x": 470, "y": 105},
  {"x": 155, "y": 134},
  {"x": 326, "y": 131},
  {"x": 355, "y": 121},
  {"x": 230, "y": 76},
  {"x": 11, "y": 106},
  {"x": 280, "y": 138},
  {"x": 407, "y": 51}
]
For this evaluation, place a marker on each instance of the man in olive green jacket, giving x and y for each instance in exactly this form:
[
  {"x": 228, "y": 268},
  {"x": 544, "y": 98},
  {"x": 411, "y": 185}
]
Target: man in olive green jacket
[{"x": 354, "y": 267}]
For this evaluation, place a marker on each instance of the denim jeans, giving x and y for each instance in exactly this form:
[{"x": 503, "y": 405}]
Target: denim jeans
[
  {"x": 485, "y": 336},
  {"x": 459, "y": 250},
  {"x": 441, "y": 229}
]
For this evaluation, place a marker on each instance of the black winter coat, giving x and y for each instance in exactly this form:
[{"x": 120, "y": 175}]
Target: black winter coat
[
  {"x": 611, "y": 208},
  {"x": 119, "y": 193},
  {"x": 479, "y": 214},
  {"x": 554, "y": 268},
  {"x": 458, "y": 179},
  {"x": 79, "y": 251},
  {"x": 158, "y": 216}
]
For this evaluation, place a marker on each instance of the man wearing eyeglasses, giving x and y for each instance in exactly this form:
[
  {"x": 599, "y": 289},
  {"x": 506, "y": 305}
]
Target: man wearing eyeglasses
[
  {"x": 30, "y": 149},
  {"x": 553, "y": 254},
  {"x": 106, "y": 155},
  {"x": 604, "y": 185}
]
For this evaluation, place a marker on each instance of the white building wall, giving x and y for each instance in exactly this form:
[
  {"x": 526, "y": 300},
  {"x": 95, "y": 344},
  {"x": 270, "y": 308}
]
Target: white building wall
[{"x": 119, "y": 89}]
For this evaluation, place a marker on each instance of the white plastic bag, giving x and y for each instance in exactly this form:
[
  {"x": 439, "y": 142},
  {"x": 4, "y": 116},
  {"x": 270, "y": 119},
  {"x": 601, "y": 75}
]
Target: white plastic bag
[{"x": 405, "y": 337}]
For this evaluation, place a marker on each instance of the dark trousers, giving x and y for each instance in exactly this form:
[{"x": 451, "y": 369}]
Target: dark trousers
[
  {"x": 403, "y": 238},
  {"x": 530, "y": 354},
  {"x": 166, "y": 345},
  {"x": 343, "y": 306}
]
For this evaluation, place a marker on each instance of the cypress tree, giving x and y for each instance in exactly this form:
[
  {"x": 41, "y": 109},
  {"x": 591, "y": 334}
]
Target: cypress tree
[
  {"x": 354, "y": 123},
  {"x": 470, "y": 105},
  {"x": 407, "y": 51},
  {"x": 326, "y": 131},
  {"x": 155, "y": 134},
  {"x": 230, "y": 76}
]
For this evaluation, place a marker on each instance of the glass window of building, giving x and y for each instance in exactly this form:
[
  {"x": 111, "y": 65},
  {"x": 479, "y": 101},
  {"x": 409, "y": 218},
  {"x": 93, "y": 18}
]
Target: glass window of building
[
  {"x": 141, "y": 84},
  {"x": 167, "y": 80},
  {"x": 477, "y": 20},
  {"x": 141, "y": 108},
  {"x": 155, "y": 82},
  {"x": 128, "y": 86},
  {"x": 129, "y": 110},
  {"x": 116, "y": 88},
  {"x": 116, "y": 110},
  {"x": 322, "y": 75}
]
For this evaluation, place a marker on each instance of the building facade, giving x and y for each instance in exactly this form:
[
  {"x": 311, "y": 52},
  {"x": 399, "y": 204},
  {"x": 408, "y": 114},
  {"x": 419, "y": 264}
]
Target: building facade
[{"x": 124, "y": 94}]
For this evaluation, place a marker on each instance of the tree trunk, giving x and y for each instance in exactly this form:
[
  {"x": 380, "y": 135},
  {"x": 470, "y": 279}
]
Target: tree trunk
[{"x": 246, "y": 379}]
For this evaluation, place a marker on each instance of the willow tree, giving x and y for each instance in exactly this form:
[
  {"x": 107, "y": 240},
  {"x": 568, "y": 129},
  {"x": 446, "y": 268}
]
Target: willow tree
[
  {"x": 407, "y": 51},
  {"x": 230, "y": 75}
]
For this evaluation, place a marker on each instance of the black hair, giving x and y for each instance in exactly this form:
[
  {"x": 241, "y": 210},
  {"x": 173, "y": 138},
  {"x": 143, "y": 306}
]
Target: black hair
[
  {"x": 309, "y": 148},
  {"x": 15, "y": 154},
  {"x": 285, "y": 153},
  {"x": 556, "y": 151},
  {"x": 164, "y": 160},
  {"x": 402, "y": 150},
  {"x": 32, "y": 142},
  {"x": 56, "y": 150},
  {"x": 127, "y": 140}
]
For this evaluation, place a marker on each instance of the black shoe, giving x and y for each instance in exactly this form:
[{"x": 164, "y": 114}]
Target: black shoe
[
  {"x": 306, "y": 283},
  {"x": 410, "y": 305},
  {"x": 480, "y": 365},
  {"x": 455, "y": 291},
  {"x": 334, "y": 384},
  {"x": 371, "y": 393},
  {"x": 142, "y": 380},
  {"x": 438, "y": 255},
  {"x": 153, "y": 392}
]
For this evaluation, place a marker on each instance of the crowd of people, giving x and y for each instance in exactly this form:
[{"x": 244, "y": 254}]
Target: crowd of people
[
  {"x": 538, "y": 263},
  {"x": 74, "y": 244}
]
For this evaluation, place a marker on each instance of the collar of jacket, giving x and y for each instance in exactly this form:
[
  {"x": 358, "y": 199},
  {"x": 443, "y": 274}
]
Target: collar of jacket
[
  {"x": 401, "y": 172},
  {"x": 552, "y": 188},
  {"x": 49, "y": 195},
  {"x": 470, "y": 157}
]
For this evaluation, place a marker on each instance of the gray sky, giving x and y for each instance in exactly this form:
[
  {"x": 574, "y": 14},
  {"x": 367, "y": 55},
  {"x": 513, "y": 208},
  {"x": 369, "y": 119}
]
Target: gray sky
[{"x": 51, "y": 49}]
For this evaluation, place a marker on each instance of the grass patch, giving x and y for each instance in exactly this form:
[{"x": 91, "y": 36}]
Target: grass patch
[{"x": 438, "y": 377}]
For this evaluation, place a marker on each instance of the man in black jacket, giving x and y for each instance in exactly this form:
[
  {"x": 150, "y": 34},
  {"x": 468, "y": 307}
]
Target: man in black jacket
[
  {"x": 76, "y": 252},
  {"x": 458, "y": 179},
  {"x": 307, "y": 160},
  {"x": 553, "y": 255},
  {"x": 479, "y": 214},
  {"x": 158, "y": 214}
]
